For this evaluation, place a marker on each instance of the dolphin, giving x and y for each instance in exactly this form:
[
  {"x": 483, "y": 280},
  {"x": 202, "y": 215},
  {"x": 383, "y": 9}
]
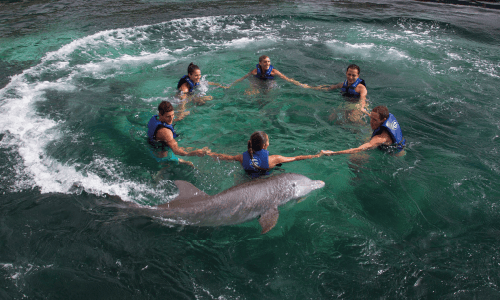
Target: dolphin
[{"x": 238, "y": 204}]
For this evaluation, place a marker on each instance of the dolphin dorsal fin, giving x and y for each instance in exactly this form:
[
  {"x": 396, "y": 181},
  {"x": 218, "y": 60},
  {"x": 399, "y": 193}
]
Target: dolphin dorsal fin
[
  {"x": 269, "y": 219},
  {"x": 187, "y": 190}
]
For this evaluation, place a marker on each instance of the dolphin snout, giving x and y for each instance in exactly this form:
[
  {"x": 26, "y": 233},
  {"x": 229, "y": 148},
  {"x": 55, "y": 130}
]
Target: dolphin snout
[{"x": 317, "y": 184}]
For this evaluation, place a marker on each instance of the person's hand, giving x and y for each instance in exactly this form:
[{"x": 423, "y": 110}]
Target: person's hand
[
  {"x": 206, "y": 150},
  {"x": 202, "y": 100},
  {"x": 202, "y": 152},
  {"x": 187, "y": 162},
  {"x": 365, "y": 111},
  {"x": 199, "y": 152},
  {"x": 221, "y": 86},
  {"x": 319, "y": 87},
  {"x": 182, "y": 115},
  {"x": 327, "y": 152},
  {"x": 252, "y": 92}
]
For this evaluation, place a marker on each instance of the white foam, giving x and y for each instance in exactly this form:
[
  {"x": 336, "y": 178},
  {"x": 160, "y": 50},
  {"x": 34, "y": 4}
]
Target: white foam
[
  {"x": 183, "y": 50},
  {"x": 29, "y": 133},
  {"x": 240, "y": 43},
  {"x": 103, "y": 69},
  {"x": 347, "y": 48},
  {"x": 366, "y": 50},
  {"x": 162, "y": 66},
  {"x": 454, "y": 56},
  {"x": 160, "y": 99},
  {"x": 18, "y": 272}
]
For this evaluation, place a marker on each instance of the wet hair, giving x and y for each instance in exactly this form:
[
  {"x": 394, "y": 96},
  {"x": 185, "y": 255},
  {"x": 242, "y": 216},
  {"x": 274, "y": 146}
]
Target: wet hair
[
  {"x": 382, "y": 111},
  {"x": 263, "y": 57},
  {"x": 256, "y": 143},
  {"x": 165, "y": 107},
  {"x": 355, "y": 67},
  {"x": 192, "y": 67}
]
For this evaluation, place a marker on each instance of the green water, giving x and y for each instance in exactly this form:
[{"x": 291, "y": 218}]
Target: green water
[{"x": 79, "y": 81}]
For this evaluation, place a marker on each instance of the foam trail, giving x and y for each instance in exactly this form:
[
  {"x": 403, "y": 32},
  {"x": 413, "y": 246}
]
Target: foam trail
[{"x": 29, "y": 133}]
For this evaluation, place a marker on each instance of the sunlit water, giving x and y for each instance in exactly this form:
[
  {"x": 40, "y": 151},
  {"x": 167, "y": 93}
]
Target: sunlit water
[{"x": 80, "y": 81}]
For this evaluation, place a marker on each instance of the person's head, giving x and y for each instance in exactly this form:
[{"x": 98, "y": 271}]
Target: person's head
[
  {"x": 258, "y": 141},
  {"x": 194, "y": 73},
  {"x": 264, "y": 62},
  {"x": 378, "y": 116},
  {"x": 166, "y": 112},
  {"x": 352, "y": 73}
]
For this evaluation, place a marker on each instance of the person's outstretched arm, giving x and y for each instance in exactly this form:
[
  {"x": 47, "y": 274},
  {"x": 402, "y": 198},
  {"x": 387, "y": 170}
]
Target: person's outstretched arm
[
  {"x": 218, "y": 85},
  {"x": 373, "y": 143},
  {"x": 275, "y": 72},
  {"x": 166, "y": 136},
  {"x": 278, "y": 159},
  {"x": 327, "y": 87},
  {"x": 238, "y": 157},
  {"x": 244, "y": 77},
  {"x": 362, "y": 97}
]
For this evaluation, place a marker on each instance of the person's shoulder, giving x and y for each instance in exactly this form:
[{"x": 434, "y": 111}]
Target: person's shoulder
[
  {"x": 164, "y": 134},
  {"x": 361, "y": 85},
  {"x": 384, "y": 136}
]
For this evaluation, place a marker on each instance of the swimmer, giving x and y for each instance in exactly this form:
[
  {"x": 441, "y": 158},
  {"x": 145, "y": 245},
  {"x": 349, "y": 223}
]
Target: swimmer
[
  {"x": 186, "y": 86},
  {"x": 354, "y": 88},
  {"x": 161, "y": 135},
  {"x": 189, "y": 82},
  {"x": 387, "y": 134},
  {"x": 265, "y": 71},
  {"x": 256, "y": 160}
]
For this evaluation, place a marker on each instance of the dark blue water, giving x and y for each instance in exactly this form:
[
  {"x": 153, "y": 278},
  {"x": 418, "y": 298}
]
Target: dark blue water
[{"x": 79, "y": 80}]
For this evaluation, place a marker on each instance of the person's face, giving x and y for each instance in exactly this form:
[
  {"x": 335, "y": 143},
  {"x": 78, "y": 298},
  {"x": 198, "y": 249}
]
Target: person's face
[
  {"x": 195, "y": 76},
  {"x": 352, "y": 75},
  {"x": 375, "y": 120},
  {"x": 168, "y": 117},
  {"x": 266, "y": 144},
  {"x": 265, "y": 64}
]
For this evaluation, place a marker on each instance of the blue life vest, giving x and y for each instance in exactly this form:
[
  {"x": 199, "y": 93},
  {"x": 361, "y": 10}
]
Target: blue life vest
[
  {"x": 184, "y": 79},
  {"x": 392, "y": 126},
  {"x": 260, "y": 158},
  {"x": 266, "y": 75},
  {"x": 351, "y": 90},
  {"x": 153, "y": 126}
]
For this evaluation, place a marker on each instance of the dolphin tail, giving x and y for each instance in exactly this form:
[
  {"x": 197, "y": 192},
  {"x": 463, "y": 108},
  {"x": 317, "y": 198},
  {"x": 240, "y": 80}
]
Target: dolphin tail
[{"x": 269, "y": 219}]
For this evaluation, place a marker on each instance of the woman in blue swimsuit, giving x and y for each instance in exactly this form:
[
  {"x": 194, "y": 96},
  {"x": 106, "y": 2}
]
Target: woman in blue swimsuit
[{"x": 256, "y": 160}]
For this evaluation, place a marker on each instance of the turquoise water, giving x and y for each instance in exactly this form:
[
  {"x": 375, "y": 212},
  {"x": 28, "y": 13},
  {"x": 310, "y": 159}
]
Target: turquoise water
[{"x": 79, "y": 81}]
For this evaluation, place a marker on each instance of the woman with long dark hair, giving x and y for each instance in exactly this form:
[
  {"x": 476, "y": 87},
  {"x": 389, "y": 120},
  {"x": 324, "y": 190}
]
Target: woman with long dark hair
[
  {"x": 189, "y": 82},
  {"x": 256, "y": 160}
]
